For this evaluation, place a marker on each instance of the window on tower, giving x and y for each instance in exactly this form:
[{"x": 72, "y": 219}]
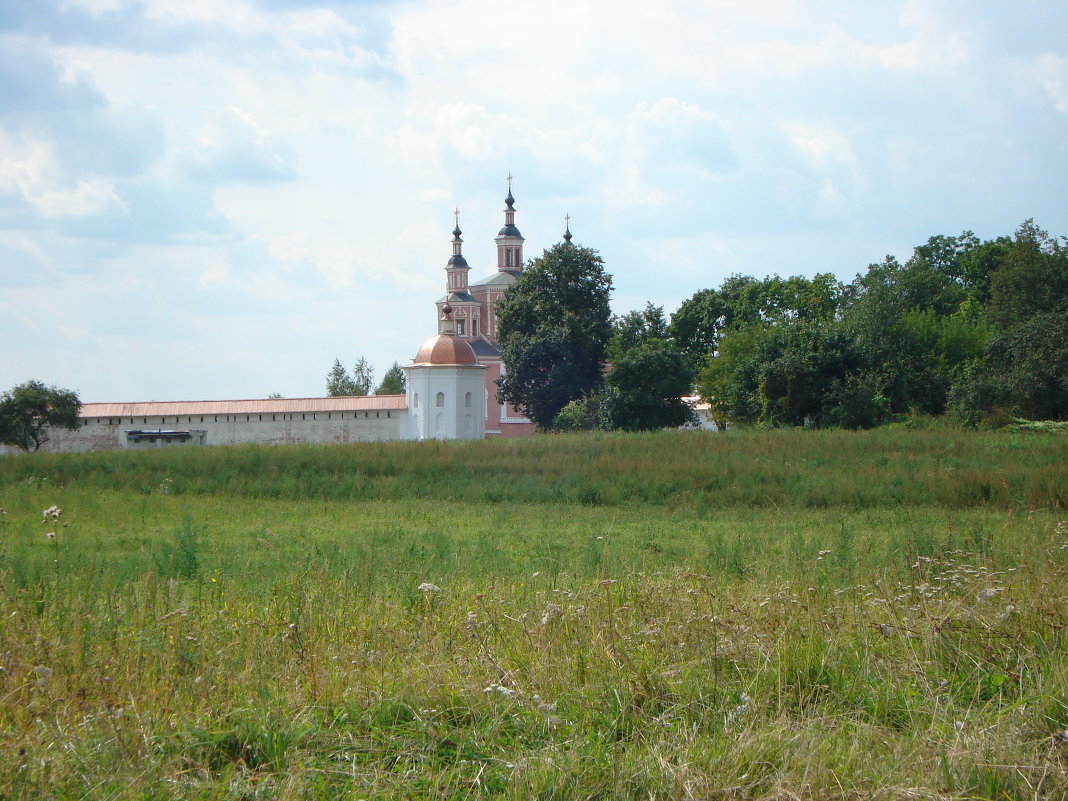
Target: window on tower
[
  {"x": 461, "y": 327},
  {"x": 440, "y": 399},
  {"x": 507, "y": 257},
  {"x": 474, "y": 327}
]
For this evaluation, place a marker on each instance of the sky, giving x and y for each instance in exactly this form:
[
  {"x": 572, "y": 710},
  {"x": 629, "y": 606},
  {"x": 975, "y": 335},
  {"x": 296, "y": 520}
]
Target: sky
[{"x": 214, "y": 199}]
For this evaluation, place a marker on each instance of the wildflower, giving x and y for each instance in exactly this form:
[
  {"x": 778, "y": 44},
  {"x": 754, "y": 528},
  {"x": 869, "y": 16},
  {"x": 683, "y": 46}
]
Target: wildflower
[
  {"x": 820, "y": 555},
  {"x": 42, "y": 675},
  {"x": 884, "y": 629},
  {"x": 551, "y": 613},
  {"x": 608, "y": 582},
  {"x": 472, "y": 621},
  {"x": 1010, "y": 610},
  {"x": 497, "y": 688},
  {"x": 989, "y": 592},
  {"x": 1062, "y": 736},
  {"x": 958, "y": 725},
  {"x": 52, "y": 514},
  {"x": 51, "y": 536},
  {"x": 744, "y": 702},
  {"x": 428, "y": 589}
]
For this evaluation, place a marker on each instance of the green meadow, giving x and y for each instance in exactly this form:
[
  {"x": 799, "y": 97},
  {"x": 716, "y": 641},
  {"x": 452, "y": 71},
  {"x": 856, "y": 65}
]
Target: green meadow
[{"x": 757, "y": 615}]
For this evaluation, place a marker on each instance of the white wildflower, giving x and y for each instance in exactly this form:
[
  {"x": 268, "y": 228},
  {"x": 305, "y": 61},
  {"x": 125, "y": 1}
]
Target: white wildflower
[
  {"x": 428, "y": 589},
  {"x": 497, "y": 688},
  {"x": 1010, "y": 610},
  {"x": 41, "y": 675},
  {"x": 51, "y": 536},
  {"x": 989, "y": 592},
  {"x": 552, "y": 612}
]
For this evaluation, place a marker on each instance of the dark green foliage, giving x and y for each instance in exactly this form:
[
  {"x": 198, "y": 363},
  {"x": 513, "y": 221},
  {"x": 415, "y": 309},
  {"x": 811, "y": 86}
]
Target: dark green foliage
[
  {"x": 648, "y": 381},
  {"x": 590, "y": 413},
  {"x": 648, "y": 376},
  {"x": 553, "y": 325},
  {"x": 1031, "y": 278},
  {"x": 392, "y": 381},
  {"x": 1030, "y": 361},
  {"x": 973, "y": 327},
  {"x": 340, "y": 383},
  {"x": 701, "y": 322},
  {"x": 29, "y": 409}
]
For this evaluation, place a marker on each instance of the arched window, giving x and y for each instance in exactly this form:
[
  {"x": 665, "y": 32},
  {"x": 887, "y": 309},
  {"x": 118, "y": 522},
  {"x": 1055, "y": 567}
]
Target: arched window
[
  {"x": 440, "y": 400},
  {"x": 467, "y": 400},
  {"x": 415, "y": 400}
]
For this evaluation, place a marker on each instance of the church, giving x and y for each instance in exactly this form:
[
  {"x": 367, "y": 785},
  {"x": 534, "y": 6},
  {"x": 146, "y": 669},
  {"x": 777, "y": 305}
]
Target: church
[{"x": 450, "y": 386}]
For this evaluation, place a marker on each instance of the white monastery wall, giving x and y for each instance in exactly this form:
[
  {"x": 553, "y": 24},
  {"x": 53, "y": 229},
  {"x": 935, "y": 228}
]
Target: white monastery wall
[{"x": 330, "y": 428}]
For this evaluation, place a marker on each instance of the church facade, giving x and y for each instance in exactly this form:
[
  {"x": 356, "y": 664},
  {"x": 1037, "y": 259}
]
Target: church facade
[{"x": 450, "y": 391}]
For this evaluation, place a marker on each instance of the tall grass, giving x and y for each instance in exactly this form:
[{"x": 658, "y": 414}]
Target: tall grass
[
  {"x": 221, "y": 640},
  {"x": 887, "y": 467}
]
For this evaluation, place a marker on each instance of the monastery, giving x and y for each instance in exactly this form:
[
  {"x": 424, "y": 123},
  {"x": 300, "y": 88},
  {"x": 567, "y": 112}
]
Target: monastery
[{"x": 451, "y": 390}]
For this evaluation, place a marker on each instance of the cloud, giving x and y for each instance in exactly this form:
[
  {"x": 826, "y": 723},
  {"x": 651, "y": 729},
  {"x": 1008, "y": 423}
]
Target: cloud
[
  {"x": 31, "y": 81},
  {"x": 820, "y": 145},
  {"x": 29, "y": 170},
  {"x": 1052, "y": 72},
  {"x": 235, "y": 147}
]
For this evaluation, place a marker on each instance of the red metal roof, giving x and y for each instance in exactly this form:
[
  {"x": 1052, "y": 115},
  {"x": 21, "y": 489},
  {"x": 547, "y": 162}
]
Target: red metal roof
[
  {"x": 445, "y": 349},
  {"x": 364, "y": 403}
]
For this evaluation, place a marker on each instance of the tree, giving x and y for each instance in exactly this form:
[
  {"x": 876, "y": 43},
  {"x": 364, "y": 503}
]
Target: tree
[
  {"x": 338, "y": 381},
  {"x": 392, "y": 381},
  {"x": 29, "y": 409},
  {"x": 697, "y": 326},
  {"x": 649, "y": 380},
  {"x": 1032, "y": 278},
  {"x": 648, "y": 375},
  {"x": 363, "y": 377},
  {"x": 553, "y": 325}
]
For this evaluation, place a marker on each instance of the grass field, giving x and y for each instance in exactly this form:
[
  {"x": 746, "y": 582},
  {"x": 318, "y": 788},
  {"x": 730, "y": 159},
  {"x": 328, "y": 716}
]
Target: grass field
[{"x": 761, "y": 615}]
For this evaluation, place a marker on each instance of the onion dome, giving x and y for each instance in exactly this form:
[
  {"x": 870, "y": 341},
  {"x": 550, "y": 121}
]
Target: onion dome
[
  {"x": 457, "y": 259},
  {"x": 445, "y": 349},
  {"x": 567, "y": 229}
]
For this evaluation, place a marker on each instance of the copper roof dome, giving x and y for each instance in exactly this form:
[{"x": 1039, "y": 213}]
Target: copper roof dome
[{"x": 445, "y": 349}]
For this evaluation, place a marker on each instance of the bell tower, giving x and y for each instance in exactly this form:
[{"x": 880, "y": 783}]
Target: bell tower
[{"x": 509, "y": 240}]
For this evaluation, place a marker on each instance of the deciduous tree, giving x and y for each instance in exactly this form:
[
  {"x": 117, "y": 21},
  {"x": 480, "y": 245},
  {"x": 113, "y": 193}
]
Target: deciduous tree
[
  {"x": 553, "y": 325},
  {"x": 28, "y": 410}
]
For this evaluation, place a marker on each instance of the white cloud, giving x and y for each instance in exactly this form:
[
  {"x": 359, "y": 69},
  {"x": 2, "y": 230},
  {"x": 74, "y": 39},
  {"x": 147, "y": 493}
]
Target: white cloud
[
  {"x": 821, "y": 145},
  {"x": 234, "y": 146},
  {"x": 30, "y": 171},
  {"x": 1053, "y": 77}
]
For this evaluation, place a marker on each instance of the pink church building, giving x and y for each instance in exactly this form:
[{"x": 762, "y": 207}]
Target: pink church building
[{"x": 475, "y": 318}]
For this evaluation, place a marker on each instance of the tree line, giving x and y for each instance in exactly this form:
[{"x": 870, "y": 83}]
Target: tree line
[
  {"x": 361, "y": 381},
  {"x": 973, "y": 329}
]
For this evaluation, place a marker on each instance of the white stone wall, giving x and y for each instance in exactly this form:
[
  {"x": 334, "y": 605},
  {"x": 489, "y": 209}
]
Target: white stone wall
[{"x": 109, "y": 434}]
